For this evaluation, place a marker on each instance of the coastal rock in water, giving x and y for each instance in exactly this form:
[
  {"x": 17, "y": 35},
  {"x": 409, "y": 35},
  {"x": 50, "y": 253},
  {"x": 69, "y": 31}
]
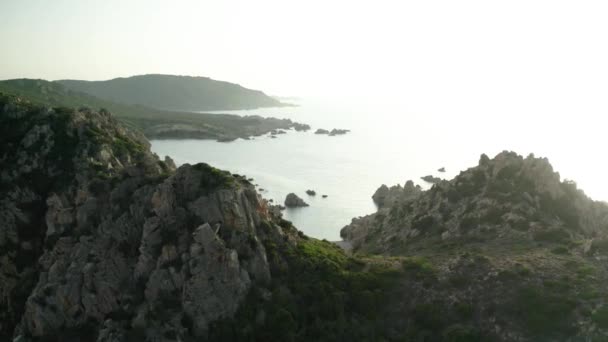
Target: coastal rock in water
[
  {"x": 226, "y": 139},
  {"x": 431, "y": 179},
  {"x": 311, "y": 192},
  {"x": 293, "y": 201},
  {"x": 324, "y": 196},
  {"x": 300, "y": 127},
  {"x": 321, "y": 131},
  {"x": 337, "y": 131},
  {"x": 442, "y": 169}
]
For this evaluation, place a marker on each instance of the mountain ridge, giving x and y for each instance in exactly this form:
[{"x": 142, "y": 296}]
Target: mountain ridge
[{"x": 175, "y": 92}]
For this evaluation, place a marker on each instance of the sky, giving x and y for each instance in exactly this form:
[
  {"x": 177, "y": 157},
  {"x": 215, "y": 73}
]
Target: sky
[{"x": 447, "y": 51}]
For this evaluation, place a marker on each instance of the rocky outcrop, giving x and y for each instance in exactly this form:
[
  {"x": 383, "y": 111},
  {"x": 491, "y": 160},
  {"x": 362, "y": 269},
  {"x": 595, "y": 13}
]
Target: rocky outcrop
[
  {"x": 301, "y": 127},
  {"x": 293, "y": 201},
  {"x": 99, "y": 238},
  {"x": 508, "y": 194},
  {"x": 385, "y": 196},
  {"x": 337, "y": 131},
  {"x": 431, "y": 179},
  {"x": 508, "y": 240},
  {"x": 441, "y": 169},
  {"x": 311, "y": 192},
  {"x": 333, "y": 132},
  {"x": 220, "y": 127}
]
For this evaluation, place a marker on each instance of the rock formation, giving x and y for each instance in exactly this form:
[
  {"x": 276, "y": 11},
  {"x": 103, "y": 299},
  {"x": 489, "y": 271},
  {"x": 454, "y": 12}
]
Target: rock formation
[
  {"x": 311, "y": 192},
  {"x": 431, "y": 179},
  {"x": 321, "y": 131},
  {"x": 337, "y": 131},
  {"x": 99, "y": 237},
  {"x": 293, "y": 201}
]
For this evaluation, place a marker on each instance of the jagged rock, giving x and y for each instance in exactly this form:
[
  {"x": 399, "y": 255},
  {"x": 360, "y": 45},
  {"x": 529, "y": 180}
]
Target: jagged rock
[
  {"x": 385, "y": 196},
  {"x": 502, "y": 194},
  {"x": 293, "y": 201},
  {"x": 115, "y": 233}
]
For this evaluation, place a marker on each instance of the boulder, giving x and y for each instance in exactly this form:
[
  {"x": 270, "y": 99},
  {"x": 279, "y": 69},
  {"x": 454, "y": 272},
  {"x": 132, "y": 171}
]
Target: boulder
[
  {"x": 311, "y": 192},
  {"x": 293, "y": 201}
]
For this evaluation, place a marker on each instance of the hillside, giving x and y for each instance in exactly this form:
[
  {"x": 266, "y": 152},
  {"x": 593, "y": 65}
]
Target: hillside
[
  {"x": 100, "y": 240},
  {"x": 176, "y": 93},
  {"x": 513, "y": 252},
  {"x": 153, "y": 123}
]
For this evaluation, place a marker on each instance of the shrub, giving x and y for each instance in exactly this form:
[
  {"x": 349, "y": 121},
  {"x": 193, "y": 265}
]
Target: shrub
[
  {"x": 600, "y": 317},
  {"x": 552, "y": 235}
]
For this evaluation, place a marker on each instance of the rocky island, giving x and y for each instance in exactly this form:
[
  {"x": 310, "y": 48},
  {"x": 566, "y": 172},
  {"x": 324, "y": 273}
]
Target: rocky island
[
  {"x": 333, "y": 132},
  {"x": 293, "y": 201}
]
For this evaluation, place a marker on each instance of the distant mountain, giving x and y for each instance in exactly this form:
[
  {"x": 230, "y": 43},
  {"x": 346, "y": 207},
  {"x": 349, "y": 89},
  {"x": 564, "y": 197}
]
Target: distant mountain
[
  {"x": 170, "y": 92},
  {"x": 154, "y": 123}
]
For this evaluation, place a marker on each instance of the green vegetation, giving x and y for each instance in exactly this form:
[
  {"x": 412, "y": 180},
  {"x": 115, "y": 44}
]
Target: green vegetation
[
  {"x": 213, "y": 178},
  {"x": 544, "y": 312},
  {"x": 322, "y": 295},
  {"x": 552, "y": 235},
  {"x": 600, "y": 317}
]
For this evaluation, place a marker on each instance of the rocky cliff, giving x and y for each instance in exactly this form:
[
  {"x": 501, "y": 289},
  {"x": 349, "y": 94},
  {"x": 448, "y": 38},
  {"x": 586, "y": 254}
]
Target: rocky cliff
[
  {"x": 508, "y": 196},
  {"x": 100, "y": 239},
  {"x": 505, "y": 251}
]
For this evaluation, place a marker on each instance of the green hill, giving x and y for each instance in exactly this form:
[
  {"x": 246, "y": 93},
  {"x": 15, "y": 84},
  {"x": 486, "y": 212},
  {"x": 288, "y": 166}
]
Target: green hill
[
  {"x": 170, "y": 92},
  {"x": 154, "y": 123}
]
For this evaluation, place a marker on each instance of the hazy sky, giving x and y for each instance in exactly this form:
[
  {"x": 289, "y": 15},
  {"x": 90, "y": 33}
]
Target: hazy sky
[{"x": 449, "y": 51}]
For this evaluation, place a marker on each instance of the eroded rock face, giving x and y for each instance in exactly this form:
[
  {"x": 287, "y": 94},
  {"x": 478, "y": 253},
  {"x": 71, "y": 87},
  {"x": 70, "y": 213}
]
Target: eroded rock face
[
  {"x": 99, "y": 238},
  {"x": 385, "y": 196}
]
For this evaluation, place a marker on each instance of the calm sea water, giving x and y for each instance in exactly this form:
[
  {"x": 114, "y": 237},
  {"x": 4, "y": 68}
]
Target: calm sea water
[{"x": 387, "y": 145}]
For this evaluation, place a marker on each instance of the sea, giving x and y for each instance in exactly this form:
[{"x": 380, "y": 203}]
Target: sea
[{"x": 387, "y": 144}]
